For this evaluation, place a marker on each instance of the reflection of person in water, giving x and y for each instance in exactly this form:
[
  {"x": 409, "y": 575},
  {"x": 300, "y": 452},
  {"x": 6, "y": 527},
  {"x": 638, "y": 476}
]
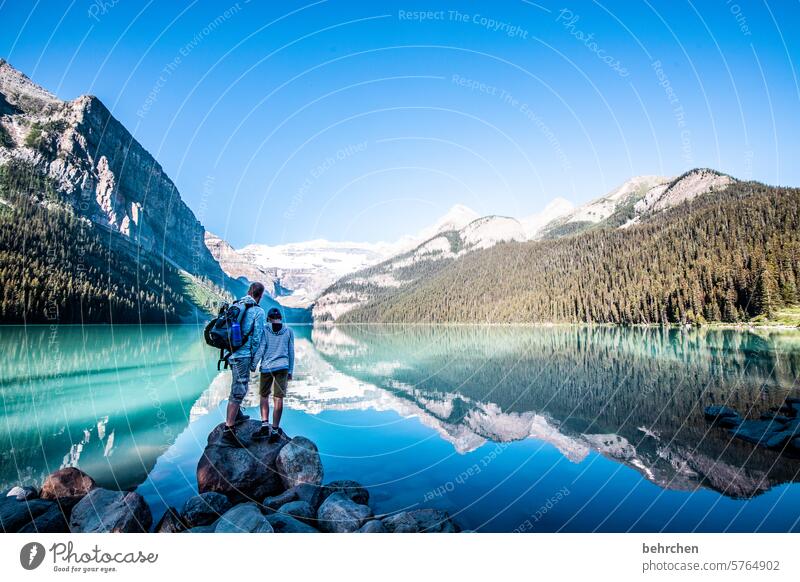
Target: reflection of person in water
[{"x": 277, "y": 365}]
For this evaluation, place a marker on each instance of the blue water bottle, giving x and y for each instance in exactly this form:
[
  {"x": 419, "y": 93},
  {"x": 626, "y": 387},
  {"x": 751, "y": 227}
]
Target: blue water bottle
[{"x": 236, "y": 334}]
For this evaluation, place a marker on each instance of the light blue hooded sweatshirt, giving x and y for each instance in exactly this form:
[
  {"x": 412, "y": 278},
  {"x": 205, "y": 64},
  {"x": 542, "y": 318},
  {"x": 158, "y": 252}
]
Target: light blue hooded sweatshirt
[{"x": 278, "y": 349}]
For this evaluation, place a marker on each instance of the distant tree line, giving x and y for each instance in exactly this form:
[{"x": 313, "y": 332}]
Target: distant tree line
[{"x": 725, "y": 257}]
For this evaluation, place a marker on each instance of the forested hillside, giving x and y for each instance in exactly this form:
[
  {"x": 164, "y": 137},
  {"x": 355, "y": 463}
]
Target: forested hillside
[
  {"x": 56, "y": 266},
  {"x": 726, "y": 256},
  {"x": 93, "y": 230}
]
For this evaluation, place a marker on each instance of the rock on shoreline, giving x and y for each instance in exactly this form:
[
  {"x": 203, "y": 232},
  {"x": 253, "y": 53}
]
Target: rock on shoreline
[
  {"x": 262, "y": 488},
  {"x": 241, "y": 474},
  {"x": 778, "y": 429}
]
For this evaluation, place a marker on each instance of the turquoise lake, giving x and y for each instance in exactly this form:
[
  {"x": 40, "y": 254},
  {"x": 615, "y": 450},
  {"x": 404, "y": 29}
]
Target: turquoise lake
[{"x": 537, "y": 429}]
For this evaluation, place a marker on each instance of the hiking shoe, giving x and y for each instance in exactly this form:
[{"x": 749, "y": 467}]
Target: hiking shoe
[
  {"x": 241, "y": 417},
  {"x": 230, "y": 438},
  {"x": 264, "y": 432},
  {"x": 276, "y": 435}
]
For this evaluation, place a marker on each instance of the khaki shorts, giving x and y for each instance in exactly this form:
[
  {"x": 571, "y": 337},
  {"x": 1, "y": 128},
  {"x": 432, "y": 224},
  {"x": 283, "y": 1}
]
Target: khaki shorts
[{"x": 276, "y": 382}]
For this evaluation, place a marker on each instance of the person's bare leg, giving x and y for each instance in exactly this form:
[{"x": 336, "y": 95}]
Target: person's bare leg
[
  {"x": 265, "y": 408},
  {"x": 277, "y": 412},
  {"x": 232, "y": 411}
]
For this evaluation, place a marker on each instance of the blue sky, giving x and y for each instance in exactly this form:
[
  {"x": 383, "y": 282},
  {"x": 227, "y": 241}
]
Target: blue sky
[{"x": 285, "y": 121}]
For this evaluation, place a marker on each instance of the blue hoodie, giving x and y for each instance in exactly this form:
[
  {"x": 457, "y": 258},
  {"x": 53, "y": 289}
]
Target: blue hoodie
[
  {"x": 253, "y": 323},
  {"x": 278, "y": 349}
]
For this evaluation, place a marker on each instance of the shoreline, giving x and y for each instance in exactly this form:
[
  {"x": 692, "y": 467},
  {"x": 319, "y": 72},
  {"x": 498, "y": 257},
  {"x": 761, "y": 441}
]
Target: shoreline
[{"x": 261, "y": 487}]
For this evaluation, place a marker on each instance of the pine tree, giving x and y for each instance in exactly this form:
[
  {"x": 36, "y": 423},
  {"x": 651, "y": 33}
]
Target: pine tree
[{"x": 763, "y": 301}]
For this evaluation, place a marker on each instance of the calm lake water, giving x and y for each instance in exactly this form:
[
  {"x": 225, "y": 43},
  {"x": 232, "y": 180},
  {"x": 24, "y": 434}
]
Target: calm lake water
[{"x": 507, "y": 428}]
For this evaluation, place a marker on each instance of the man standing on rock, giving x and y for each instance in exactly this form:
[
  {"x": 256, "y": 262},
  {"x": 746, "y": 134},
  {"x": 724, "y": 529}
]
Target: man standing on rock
[
  {"x": 277, "y": 365},
  {"x": 243, "y": 361}
]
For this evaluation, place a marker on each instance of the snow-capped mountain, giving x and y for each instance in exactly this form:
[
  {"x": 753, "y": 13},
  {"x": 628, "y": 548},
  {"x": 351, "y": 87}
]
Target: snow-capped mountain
[
  {"x": 601, "y": 208},
  {"x": 534, "y": 223},
  {"x": 626, "y": 205},
  {"x": 431, "y": 255},
  {"x": 234, "y": 264},
  {"x": 456, "y": 218},
  {"x": 296, "y": 273},
  {"x": 300, "y": 271}
]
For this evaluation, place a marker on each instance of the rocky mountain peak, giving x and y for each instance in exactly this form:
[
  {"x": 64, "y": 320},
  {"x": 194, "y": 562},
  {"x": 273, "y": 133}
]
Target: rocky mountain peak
[
  {"x": 685, "y": 187},
  {"x": 101, "y": 170},
  {"x": 21, "y": 92}
]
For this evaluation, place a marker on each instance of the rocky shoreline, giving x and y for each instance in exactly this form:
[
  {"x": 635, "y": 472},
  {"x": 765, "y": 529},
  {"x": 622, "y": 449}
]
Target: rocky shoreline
[
  {"x": 778, "y": 429},
  {"x": 263, "y": 488}
]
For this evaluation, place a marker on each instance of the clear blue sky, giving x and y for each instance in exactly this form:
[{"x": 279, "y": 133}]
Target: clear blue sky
[{"x": 284, "y": 121}]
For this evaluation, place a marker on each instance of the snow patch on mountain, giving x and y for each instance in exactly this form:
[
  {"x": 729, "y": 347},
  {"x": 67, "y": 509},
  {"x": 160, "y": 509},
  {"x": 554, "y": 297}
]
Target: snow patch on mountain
[
  {"x": 456, "y": 218},
  {"x": 490, "y": 230},
  {"x": 557, "y": 208}
]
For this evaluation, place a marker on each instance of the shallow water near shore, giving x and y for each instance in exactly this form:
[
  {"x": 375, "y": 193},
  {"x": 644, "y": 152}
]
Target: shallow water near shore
[{"x": 507, "y": 428}]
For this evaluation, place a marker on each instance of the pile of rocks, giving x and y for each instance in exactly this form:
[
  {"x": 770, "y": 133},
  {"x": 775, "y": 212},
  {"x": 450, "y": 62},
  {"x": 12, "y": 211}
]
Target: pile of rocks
[
  {"x": 263, "y": 488},
  {"x": 278, "y": 487},
  {"x": 71, "y": 501},
  {"x": 778, "y": 429}
]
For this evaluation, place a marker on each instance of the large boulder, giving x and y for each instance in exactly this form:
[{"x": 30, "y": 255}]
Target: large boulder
[
  {"x": 241, "y": 474},
  {"x": 272, "y": 503},
  {"x": 244, "y": 518},
  {"x": 102, "y": 511},
  {"x": 311, "y": 494},
  {"x": 16, "y": 514},
  {"x": 67, "y": 482},
  {"x": 287, "y": 524},
  {"x": 784, "y": 436},
  {"x": 53, "y": 520},
  {"x": 298, "y": 462},
  {"x": 340, "y": 514},
  {"x": 758, "y": 432},
  {"x": 373, "y": 526},
  {"x": 420, "y": 521},
  {"x": 204, "y": 509},
  {"x": 791, "y": 406},
  {"x": 202, "y": 529},
  {"x": 352, "y": 489},
  {"x": 170, "y": 522},
  {"x": 722, "y": 416},
  {"x": 716, "y": 412},
  {"x": 299, "y": 510}
]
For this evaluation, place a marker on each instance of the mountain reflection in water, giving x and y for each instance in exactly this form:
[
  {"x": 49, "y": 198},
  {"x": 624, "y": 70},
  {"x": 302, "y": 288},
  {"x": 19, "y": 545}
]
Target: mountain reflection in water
[{"x": 634, "y": 395}]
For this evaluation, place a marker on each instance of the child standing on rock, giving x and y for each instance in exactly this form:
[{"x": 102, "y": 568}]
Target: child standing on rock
[{"x": 277, "y": 365}]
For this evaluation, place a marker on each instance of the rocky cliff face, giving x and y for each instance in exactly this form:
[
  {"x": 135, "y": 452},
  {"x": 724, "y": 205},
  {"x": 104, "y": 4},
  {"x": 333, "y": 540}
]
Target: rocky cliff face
[
  {"x": 100, "y": 170},
  {"x": 236, "y": 265}
]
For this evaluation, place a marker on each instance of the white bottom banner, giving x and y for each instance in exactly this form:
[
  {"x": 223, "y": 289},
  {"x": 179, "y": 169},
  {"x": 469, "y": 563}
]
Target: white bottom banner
[{"x": 425, "y": 557}]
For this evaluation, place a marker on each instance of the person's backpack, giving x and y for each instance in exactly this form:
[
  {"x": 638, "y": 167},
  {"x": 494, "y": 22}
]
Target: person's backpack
[{"x": 221, "y": 332}]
